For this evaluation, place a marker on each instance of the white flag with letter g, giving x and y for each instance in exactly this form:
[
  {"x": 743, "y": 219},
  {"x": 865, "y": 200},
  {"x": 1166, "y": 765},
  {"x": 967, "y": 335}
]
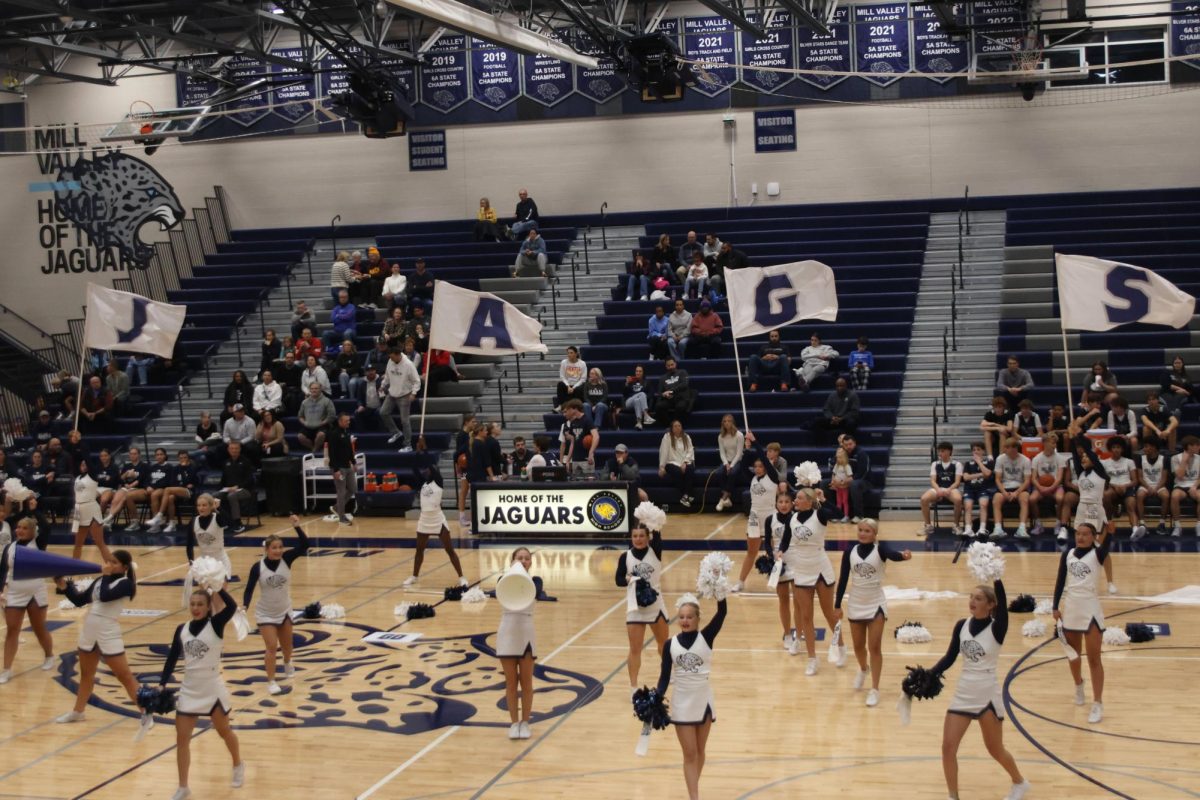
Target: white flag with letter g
[
  {"x": 762, "y": 299},
  {"x": 130, "y": 323},
  {"x": 481, "y": 323},
  {"x": 1099, "y": 295}
]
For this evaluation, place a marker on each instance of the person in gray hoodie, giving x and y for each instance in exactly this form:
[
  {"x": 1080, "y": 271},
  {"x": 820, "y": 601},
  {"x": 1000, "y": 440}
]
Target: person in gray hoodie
[
  {"x": 679, "y": 328},
  {"x": 814, "y": 361},
  {"x": 316, "y": 414}
]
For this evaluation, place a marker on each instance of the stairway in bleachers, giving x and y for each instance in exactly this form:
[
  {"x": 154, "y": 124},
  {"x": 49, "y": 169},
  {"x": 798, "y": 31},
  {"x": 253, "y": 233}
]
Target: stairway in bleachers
[{"x": 971, "y": 374}]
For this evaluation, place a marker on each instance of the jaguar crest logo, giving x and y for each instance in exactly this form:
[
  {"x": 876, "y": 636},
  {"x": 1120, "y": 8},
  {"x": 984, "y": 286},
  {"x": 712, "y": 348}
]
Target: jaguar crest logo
[
  {"x": 195, "y": 649},
  {"x": 864, "y": 570},
  {"x": 403, "y": 688},
  {"x": 972, "y": 651},
  {"x": 803, "y": 532},
  {"x": 689, "y": 662},
  {"x": 274, "y": 581},
  {"x": 1079, "y": 570},
  {"x": 643, "y": 570},
  {"x": 117, "y": 194}
]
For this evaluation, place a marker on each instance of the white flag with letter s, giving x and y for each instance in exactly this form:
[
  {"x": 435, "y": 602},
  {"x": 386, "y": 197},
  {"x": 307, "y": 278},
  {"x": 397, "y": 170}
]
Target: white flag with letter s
[
  {"x": 1099, "y": 295},
  {"x": 130, "y": 323},
  {"x": 480, "y": 323},
  {"x": 762, "y": 299}
]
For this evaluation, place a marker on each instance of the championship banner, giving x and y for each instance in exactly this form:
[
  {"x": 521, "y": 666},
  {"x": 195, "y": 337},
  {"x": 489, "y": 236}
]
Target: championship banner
[
  {"x": 243, "y": 70},
  {"x": 286, "y": 100},
  {"x": 495, "y": 74},
  {"x": 825, "y": 53},
  {"x": 1185, "y": 31},
  {"x": 776, "y": 50},
  {"x": 603, "y": 83},
  {"x": 192, "y": 90},
  {"x": 1004, "y": 21},
  {"x": 548, "y": 81},
  {"x": 710, "y": 41},
  {"x": 933, "y": 50},
  {"x": 881, "y": 41},
  {"x": 444, "y": 78},
  {"x": 588, "y": 508}
]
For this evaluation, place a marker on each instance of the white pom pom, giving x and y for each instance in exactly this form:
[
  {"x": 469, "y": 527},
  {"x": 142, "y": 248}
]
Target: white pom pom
[
  {"x": 1044, "y": 606},
  {"x": 241, "y": 624},
  {"x": 1035, "y": 629},
  {"x": 986, "y": 561},
  {"x": 807, "y": 473},
  {"x": 686, "y": 599},
  {"x": 711, "y": 582},
  {"x": 650, "y": 515},
  {"x": 208, "y": 572},
  {"x": 402, "y": 610},
  {"x": 913, "y": 634},
  {"x": 333, "y": 611},
  {"x": 84, "y": 585},
  {"x": 474, "y": 595},
  {"x": 15, "y": 490},
  {"x": 66, "y": 605},
  {"x": 1116, "y": 636}
]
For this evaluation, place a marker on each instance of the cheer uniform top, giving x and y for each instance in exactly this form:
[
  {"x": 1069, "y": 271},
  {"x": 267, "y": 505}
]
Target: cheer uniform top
[
  {"x": 1080, "y": 571},
  {"x": 762, "y": 495},
  {"x": 514, "y": 636},
  {"x": 774, "y": 526},
  {"x": 275, "y": 605},
  {"x": 432, "y": 519},
  {"x": 645, "y": 564},
  {"x": 87, "y": 507},
  {"x": 867, "y": 563},
  {"x": 207, "y": 534},
  {"x": 687, "y": 658},
  {"x": 23, "y": 593},
  {"x": 1089, "y": 485},
  {"x": 200, "y": 642},
  {"x": 101, "y": 629},
  {"x": 979, "y": 642},
  {"x": 803, "y": 548}
]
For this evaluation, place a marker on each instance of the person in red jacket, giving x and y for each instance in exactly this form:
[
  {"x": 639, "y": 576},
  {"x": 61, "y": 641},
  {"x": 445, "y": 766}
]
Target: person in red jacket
[
  {"x": 308, "y": 345},
  {"x": 439, "y": 366},
  {"x": 706, "y": 332}
]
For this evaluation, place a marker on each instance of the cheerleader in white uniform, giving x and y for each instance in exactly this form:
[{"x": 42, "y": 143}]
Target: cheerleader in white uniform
[
  {"x": 803, "y": 552},
  {"x": 88, "y": 516},
  {"x": 977, "y": 695},
  {"x": 774, "y": 526},
  {"x": 1078, "y": 583},
  {"x": 866, "y": 604},
  {"x": 203, "y": 692},
  {"x": 207, "y": 533},
  {"x": 24, "y": 597},
  {"x": 100, "y": 633},
  {"x": 643, "y": 562},
  {"x": 515, "y": 649},
  {"x": 764, "y": 486},
  {"x": 432, "y": 522},
  {"x": 1091, "y": 480},
  {"x": 273, "y": 613},
  {"x": 688, "y": 659}
]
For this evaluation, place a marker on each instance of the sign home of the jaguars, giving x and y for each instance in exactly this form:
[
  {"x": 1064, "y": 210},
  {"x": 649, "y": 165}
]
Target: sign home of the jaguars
[{"x": 90, "y": 214}]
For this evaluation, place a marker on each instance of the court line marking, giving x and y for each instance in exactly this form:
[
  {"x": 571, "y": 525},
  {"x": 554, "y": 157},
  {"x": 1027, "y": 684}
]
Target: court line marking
[{"x": 433, "y": 745}]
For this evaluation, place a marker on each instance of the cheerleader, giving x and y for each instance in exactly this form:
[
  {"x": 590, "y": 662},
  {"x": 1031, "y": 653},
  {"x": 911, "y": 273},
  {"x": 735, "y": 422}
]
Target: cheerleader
[
  {"x": 100, "y": 634},
  {"x": 203, "y": 692},
  {"x": 643, "y": 561},
  {"x": 802, "y": 549},
  {"x": 688, "y": 658},
  {"x": 764, "y": 486},
  {"x": 977, "y": 696},
  {"x": 867, "y": 605},
  {"x": 774, "y": 526},
  {"x": 1083, "y": 619},
  {"x": 515, "y": 649},
  {"x": 432, "y": 522},
  {"x": 1091, "y": 479},
  {"x": 273, "y": 614},
  {"x": 88, "y": 516},
  {"x": 207, "y": 532},
  {"x": 24, "y": 596}
]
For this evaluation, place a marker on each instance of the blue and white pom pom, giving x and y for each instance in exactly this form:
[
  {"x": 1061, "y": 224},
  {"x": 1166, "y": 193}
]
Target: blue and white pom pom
[
  {"x": 312, "y": 610},
  {"x": 1116, "y": 636},
  {"x": 650, "y": 707},
  {"x": 208, "y": 572},
  {"x": 1035, "y": 629},
  {"x": 650, "y": 515},
  {"x": 712, "y": 581},
  {"x": 333, "y": 611},
  {"x": 645, "y": 594},
  {"x": 1044, "y": 606},
  {"x": 474, "y": 595},
  {"x": 913, "y": 633},
  {"x": 414, "y": 610},
  {"x": 154, "y": 700},
  {"x": 986, "y": 561},
  {"x": 1139, "y": 632},
  {"x": 807, "y": 473},
  {"x": 16, "y": 491}
]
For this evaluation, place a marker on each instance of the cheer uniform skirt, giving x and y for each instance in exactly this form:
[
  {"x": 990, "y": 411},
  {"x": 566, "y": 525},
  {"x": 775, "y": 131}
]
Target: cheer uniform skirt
[
  {"x": 87, "y": 513},
  {"x": 201, "y": 692},
  {"x": 865, "y": 605},
  {"x": 691, "y": 702},
  {"x": 647, "y": 615},
  {"x": 1092, "y": 514},
  {"x": 431, "y": 522},
  {"x": 101, "y": 633},
  {"x": 1079, "y": 615},
  {"x": 514, "y": 638},
  {"x": 23, "y": 594},
  {"x": 805, "y": 570},
  {"x": 975, "y": 693}
]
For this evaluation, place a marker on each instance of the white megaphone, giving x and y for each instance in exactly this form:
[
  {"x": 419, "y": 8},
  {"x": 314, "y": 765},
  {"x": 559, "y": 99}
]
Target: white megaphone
[{"x": 515, "y": 590}]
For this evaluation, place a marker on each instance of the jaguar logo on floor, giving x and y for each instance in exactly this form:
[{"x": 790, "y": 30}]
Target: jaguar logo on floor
[{"x": 341, "y": 681}]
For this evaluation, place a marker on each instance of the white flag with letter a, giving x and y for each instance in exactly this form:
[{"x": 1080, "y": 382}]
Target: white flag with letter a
[
  {"x": 1099, "y": 295},
  {"x": 762, "y": 299},
  {"x": 480, "y": 323},
  {"x": 130, "y": 323}
]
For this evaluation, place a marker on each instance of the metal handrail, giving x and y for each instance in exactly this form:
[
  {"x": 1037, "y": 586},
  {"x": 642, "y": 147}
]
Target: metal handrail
[
  {"x": 603, "y": 218},
  {"x": 500, "y": 396},
  {"x": 54, "y": 346},
  {"x": 333, "y": 226},
  {"x": 933, "y": 444},
  {"x": 945, "y": 376}
]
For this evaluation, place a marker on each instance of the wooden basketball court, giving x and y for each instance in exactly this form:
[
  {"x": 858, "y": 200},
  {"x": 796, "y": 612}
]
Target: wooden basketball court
[{"x": 425, "y": 718}]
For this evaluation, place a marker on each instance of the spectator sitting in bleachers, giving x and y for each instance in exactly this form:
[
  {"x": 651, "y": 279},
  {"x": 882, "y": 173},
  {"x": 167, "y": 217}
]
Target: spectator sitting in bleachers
[
  {"x": 841, "y": 472},
  {"x": 138, "y": 369},
  {"x": 1122, "y": 420},
  {"x": 673, "y": 400},
  {"x": 978, "y": 487},
  {"x": 1159, "y": 422},
  {"x": 303, "y": 318},
  {"x": 1176, "y": 386},
  {"x": 43, "y": 429},
  {"x": 595, "y": 396},
  {"x": 859, "y": 484},
  {"x": 680, "y": 329},
  {"x": 1121, "y": 492},
  {"x": 707, "y": 327},
  {"x": 96, "y": 409},
  {"x": 438, "y": 368},
  {"x": 1185, "y": 466},
  {"x": 161, "y": 473},
  {"x": 417, "y": 328},
  {"x": 1013, "y": 475},
  {"x": 687, "y": 253},
  {"x": 525, "y": 218},
  {"x": 1154, "y": 475},
  {"x": 1058, "y": 418},
  {"x": 677, "y": 461},
  {"x": 343, "y": 321},
  {"x": 366, "y": 416},
  {"x": 636, "y": 398},
  {"x": 135, "y": 480},
  {"x": 731, "y": 444},
  {"x": 695, "y": 282},
  {"x": 290, "y": 376},
  {"x": 711, "y": 249},
  {"x": 378, "y": 356},
  {"x": 621, "y": 466},
  {"x": 240, "y": 428},
  {"x": 860, "y": 363},
  {"x": 997, "y": 425},
  {"x": 237, "y": 485},
  {"x": 1027, "y": 424},
  {"x": 572, "y": 373},
  {"x": 268, "y": 394},
  {"x": 268, "y": 436},
  {"x": 1102, "y": 381},
  {"x": 1013, "y": 384},
  {"x": 945, "y": 478},
  {"x": 1048, "y": 469},
  {"x": 410, "y": 352},
  {"x": 728, "y": 258},
  {"x": 532, "y": 260},
  {"x": 315, "y": 373},
  {"x": 1092, "y": 413},
  {"x": 395, "y": 288},
  {"x": 308, "y": 345},
  {"x": 342, "y": 277},
  {"x": 775, "y": 461},
  {"x": 117, "y": 383},
  {"x": 658, "y": 329},
  {"x": 638, "y": 283},
  {"x": 58, "y": 460},
  {"x": 773, "y": 360},
  {"x": 349, "y": 369},
  {"x": 375, "y": 271},
  {"x": 394, "y": 327},
  {"x": 663, "y": 258},
  {"x": 420, "y": 288},
  {"x": 35, "y": 475},
  {"x": 316, "y": 414},
  {"x": 76, "y": 448},
  {"x": 238, "y": 392},
  {"x": 401, "y": 381},
  {"x": 814, "y": 360},
  {"x": 486, "y": 229},
  {"x": 272, "y": 351},
  {"x": 579, "y": 436},
  {"x": 208, "y": 441},
  {"x": 840, "y": 413}
]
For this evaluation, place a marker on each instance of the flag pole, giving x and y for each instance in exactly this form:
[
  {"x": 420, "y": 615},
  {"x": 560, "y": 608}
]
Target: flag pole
[
  {"x": 737, "y": 365},
  {"x": 428, "y": 370},
  {"x": 1067, "y": 367},
  {"x": 83, "y": 348}
]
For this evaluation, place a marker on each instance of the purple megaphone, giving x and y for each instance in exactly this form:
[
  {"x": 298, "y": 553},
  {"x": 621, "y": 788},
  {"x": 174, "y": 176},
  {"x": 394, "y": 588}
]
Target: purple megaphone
[{"x": 29, "y": 563}]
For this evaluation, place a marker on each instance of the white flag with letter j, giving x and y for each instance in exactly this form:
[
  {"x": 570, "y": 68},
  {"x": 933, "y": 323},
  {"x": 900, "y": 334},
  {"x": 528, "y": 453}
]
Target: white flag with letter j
[
  {"x": 1099, "y": 295},
  {"x": 131, "y": 323},
  {"x": 762, "y": 299},
  {"x": 480, "y": 323}
]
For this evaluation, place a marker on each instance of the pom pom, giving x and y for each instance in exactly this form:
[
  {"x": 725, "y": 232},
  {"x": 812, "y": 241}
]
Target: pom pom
[
  {"x": 912, "y": 633},
  {"x": 807, "y": 473},
  {"x": 313, "y": 610},
  {"x": 986, "y": 561},
  {"x": 764, "y": 564},
  {"x": 208, "y": 572},
  {"x": 712, "y": 581},
  {"x": 1035, "y": 628},
  {"x": 1139, "y": 632},
  {"x": 419, "y": 611},
  {"x": 333, "y": 611},
  {"x": 650, "y": 515},
  {"x": 1044, "y": 607},
  {"x": 16, "y": 491},
  {"x": 646, "y": 594},
  {"x": 651, "y": 708},
  {"x": 474, "y": 595},
  {"x": 1022, "y": 604},
  {"x": 453, "y": 593},
  {"x": 1116, "y": 636},
  {"x": 241, "y": 624},
  {"x": 686, "y": 599},
  {"x": 921, "y": 683},
  {"x": 153, "y": 700},
  {"x": 66, "y": 605}
]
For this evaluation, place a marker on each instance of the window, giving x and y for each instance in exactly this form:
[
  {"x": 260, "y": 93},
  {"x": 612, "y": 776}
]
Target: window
[{"x": 1112, "y": 46}]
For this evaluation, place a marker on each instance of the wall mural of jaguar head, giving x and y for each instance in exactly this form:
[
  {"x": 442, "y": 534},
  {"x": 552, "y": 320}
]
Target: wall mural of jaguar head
[
  {"x": 116, "y": 195},
  {"x": 405, "y": 688}
]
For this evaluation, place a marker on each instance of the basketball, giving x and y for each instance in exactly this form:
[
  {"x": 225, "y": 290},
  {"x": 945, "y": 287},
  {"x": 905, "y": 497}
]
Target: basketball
[
  {"x": 586, "y": 442},
  {"x": 461, "y": 462},
  {"x": 1045, "y": 480},
  {"x": 404, "y": 487}
]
